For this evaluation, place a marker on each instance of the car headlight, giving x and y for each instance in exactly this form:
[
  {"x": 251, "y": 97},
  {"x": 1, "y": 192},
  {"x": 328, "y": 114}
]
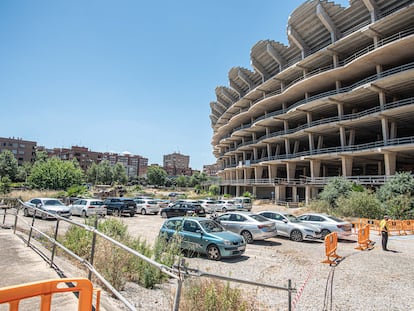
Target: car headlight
[{"x": 226, "y": 242}]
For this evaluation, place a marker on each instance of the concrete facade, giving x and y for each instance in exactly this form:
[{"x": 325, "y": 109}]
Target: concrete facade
[{"x": 338, "y": 101}]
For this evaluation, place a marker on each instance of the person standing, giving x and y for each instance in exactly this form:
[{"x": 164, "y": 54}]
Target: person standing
[{"x": 384, "y": 232}]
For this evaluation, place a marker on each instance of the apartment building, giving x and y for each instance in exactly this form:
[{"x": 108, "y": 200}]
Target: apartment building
[
  {"x": 337, "y": 101},
  {"x": 23, "y": 150},
  {"x": 176, "y": 164}
]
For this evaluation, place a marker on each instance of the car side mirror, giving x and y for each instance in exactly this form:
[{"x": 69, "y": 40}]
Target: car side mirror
[{"x": 285, "y": 221}]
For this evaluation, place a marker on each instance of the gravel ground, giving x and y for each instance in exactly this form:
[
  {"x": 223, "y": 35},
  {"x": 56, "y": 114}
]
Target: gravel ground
[{"x": 363, "y": 280}]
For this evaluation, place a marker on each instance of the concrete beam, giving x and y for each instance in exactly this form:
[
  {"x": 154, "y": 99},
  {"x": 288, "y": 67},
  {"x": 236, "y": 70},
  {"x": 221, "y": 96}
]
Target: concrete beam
[
  {"x": 372, "y": 7},
  {"x": 260, "y": 69},
  {"x": 297, "y": 40},
  {"x": 328, "y": 23},
  {"x": 245, "y": 79},
  {"x": 228, "y": 96},
  {"x": 236, "y": 88},
  {"x": 275, "y": 55}
]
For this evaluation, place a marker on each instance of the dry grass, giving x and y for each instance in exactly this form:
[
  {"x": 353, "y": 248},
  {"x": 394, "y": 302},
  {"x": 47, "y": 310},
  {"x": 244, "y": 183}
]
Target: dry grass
[{"x": 26, "y": 195}]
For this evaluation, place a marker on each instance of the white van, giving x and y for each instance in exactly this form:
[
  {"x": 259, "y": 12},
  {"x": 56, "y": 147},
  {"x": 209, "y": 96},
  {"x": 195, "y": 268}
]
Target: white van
[{"x": 243, "y": 203}]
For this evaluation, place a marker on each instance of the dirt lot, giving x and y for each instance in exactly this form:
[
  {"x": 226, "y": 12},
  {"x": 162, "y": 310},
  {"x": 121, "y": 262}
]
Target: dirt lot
[{"x": 364, "y": 280}]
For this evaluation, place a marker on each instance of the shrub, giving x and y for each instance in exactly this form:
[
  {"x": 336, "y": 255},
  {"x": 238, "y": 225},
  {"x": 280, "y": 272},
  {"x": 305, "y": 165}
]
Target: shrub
[
  {"x": 337, "y": 187},
  {"x": 360, "y": 204},
  {"x": 210, "y": 295}
]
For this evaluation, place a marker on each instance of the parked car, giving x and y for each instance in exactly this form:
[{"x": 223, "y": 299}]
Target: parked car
[
  {"x": 227, "y": 205},
  {"x": 243, "y": 203},
  {"x": 147, "y": 206},
  {"x": 50, "y": 205},
  {"x": 204, "y": 236},
  {"x": 120, "y": 206},
  {"x": 328, "y": 224},
  {"x": 183, "y": 209},
  {"x": 88, "y": 207},
  {"x": 290, "y": 226},
  {"x": 210, "y": 206},
  {"x": 250, "y": 225}
]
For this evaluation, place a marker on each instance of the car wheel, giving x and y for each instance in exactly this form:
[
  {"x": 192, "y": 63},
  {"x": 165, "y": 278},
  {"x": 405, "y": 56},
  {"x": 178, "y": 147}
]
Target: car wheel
[
  {"x": 143, "y": 211},
  {"x": 26, "y": 212},
  {"x": 324, "y": 233},
  {"x": 213, "y": 252},
  {"x": 156, "y": 213},
  {"x": 132, "y": 214},
  {"x": 84, "y": 214},
  {"x": 224, "y": 209},
  {"x": 296, "y": 236},
  {"x": 44, "y": 216},
  {"x": 164, "y": 215},
  {"x": 117, "y": 213},
  {"x": 247, "y": 236}
]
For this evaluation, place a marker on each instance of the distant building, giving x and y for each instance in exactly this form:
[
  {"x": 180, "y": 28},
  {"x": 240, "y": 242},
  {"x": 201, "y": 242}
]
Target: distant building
[
  {"x": 135, "y": 165},
  {"x": 212, "y": 169},
  {"x": 176, "y": 164},
  {"x": 23, "y": 150}
]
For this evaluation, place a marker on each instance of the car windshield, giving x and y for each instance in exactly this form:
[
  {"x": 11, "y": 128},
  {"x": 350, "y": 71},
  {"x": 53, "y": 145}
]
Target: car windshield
[
  {"x": 258, "y": 217},
  {"x": 96, "y": 203},
  {"x": 53, "y": 203},
  {"x": 292, "y": 218},
  {"x": 335, "y": 219},
  {"x": 211, "y": 226}
]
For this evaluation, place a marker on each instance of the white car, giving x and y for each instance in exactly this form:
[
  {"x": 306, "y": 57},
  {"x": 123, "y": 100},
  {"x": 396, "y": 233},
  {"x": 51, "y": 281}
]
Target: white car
[
  {"x": 147, "y": 206},
  {"x": 50, "y": 205},
  {"x": 328, "y": 224},
  {"x": 210, "y": 206},
  {"x": 88, "y": 207},
  {"x": 227, "y": 205},
  {"x": 289, "y": 226}
]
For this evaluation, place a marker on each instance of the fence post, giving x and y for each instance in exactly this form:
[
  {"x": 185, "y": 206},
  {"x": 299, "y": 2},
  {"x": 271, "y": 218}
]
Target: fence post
[
  {"x": 179, "y": 286},
  {"x": 54, "y": 242},
  {"x": 93, "y": 246},
  {"x": 4, "y": 215},
  {"x": 15, "y": 220},
  {"x": 31, "y": 228},
  {"x": 290, "y": 294}
]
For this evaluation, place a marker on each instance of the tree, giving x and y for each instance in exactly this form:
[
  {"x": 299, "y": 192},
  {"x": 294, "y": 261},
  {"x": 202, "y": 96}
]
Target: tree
[
  {"x": 8, "y": 165},
  {"x": 55, "y": 174},
  {"x": 337, "y": 187},
  {"x": 23, "y": 171},
  {"x": 401, "y": 183},
  {"x": 119, "y": 174},
  {"x": 5, "y": 184},
  {"x": 156, "y": 176},
  {"x": 214, "y": 189},
  {"x": 93, "y": 173},
  {"x": 105, "y": 173},
  {"x": 182, "y": 181}
]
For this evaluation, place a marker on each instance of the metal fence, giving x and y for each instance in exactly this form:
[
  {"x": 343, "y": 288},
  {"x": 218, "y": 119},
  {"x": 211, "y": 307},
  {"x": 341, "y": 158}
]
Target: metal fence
[{"x": 179, "y": 272}]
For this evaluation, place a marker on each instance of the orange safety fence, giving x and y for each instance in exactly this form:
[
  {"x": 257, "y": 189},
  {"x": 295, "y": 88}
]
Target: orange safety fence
[
  {"x": 14, "y": 294},
  {"x": 395, "y": 227},
  {"x": 408, "y": 226},
  {"x": 331, "y": 244},
  {"x": 363, "y": 239}
]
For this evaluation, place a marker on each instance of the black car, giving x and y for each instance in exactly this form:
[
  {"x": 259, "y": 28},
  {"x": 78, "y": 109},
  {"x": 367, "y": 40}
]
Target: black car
[
  {"x": 120, "y": 206},
  {"x": 183, "y": 209}
]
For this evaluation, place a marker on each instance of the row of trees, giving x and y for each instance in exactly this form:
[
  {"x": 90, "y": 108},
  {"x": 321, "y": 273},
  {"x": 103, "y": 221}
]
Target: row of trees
[
  {"x": 56, "y": 174},
  {"x": 395, "y": 198}
]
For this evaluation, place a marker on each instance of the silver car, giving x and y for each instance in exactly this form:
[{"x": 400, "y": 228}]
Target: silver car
[
  {"x": 328, "y": 224},
  {"x": 250, "y": 225},
  {"x": 147, "y": 206},
  {"x": 50, "y": 205},
  {"x": 227, "y": 205},
  {"x": 88, "y": 207},
  {"x": 290, "y": 226}
]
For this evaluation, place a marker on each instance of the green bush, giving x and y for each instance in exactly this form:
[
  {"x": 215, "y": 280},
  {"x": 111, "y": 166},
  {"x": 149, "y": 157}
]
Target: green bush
[
  {"x": 117, "y": 265},
  {"x": 211, "y": 295},
  {"x": 360, "y": 204}
]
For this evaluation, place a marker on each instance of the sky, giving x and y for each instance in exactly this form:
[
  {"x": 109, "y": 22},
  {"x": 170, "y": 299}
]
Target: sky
[{"x": 126, "y": 75}]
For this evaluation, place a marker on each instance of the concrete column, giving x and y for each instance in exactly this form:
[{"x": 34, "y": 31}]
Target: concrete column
[
  {"x": 258, "y": 172},
  {"x": 280, "y": 193},
  {"x": 390, "y": 160},
  {"x": 290, "y": 169},
  {"x": 311, "y": 142},
  {"x": 254, "y": 189},
  {"x": 295, "y": 194},
  {"x": 237, "y": 191},
  {"x": 335, "y": 59},
  {"x": 320, "y": 142},
  {"x": 287, "y": 146},
  {"x": 380, "y": 168},
  {"x": 346, "y": 165},
  {"x": 272, "y": 171},
  {"x": 269, "y": 150},
  {"x": 393, "y": 131},
  {"x": 255, "y": 153},
  {"x": 385, "y": 132},
  {"x": 315, "y": 168},
  {"x": 342, "y": 136},
  {"x": 309, "y": 117},
  {"x": 308, "y": 194}
]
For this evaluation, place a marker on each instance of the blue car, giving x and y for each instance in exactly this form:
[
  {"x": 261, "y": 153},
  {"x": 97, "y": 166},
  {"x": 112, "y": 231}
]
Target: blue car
[{"x": 204, "y": 236}]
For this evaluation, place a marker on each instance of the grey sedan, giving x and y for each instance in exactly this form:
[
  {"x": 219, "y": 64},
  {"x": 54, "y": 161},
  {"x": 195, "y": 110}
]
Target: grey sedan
[
  {"x": 250, "y": 225},
  {"x": 288, "y": 225}
]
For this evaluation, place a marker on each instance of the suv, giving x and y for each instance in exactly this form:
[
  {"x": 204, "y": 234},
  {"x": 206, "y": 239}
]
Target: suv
[{"x": 120, "y": 206}]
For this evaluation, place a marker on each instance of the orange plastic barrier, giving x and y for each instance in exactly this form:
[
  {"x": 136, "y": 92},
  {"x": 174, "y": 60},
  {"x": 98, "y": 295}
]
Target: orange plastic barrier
[
  {"x": 331, "y": 244},
  {"x": 408, "y": 226},
  {"x": 363, "y": 239},
  {"x": 14, "y": 294},
  {"x": 395, "y": 227}
]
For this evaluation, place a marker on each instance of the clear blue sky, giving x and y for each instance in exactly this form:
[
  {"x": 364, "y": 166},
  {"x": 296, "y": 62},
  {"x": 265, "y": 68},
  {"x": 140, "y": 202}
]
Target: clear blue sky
[{"x": 126, "y": 75}]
